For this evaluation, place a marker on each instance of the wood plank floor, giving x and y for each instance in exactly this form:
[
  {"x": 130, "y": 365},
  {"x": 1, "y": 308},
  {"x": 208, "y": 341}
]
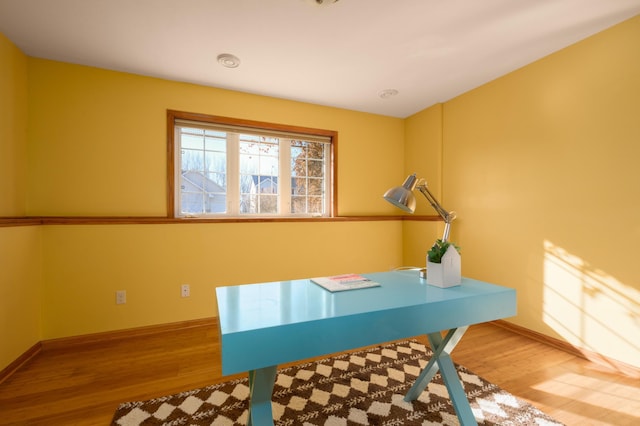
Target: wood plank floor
[{"x": 83, "y": 385}]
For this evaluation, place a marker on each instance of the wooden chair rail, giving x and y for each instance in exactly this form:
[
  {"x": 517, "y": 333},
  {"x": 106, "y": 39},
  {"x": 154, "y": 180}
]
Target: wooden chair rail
[{"x": 141, "y": 220}]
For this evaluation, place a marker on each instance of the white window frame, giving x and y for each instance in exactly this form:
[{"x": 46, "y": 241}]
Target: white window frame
[{"x": 284, "y": 133}]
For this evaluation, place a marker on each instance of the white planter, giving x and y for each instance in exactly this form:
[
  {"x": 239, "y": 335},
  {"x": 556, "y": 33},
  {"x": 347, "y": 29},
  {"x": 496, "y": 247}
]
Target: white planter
[{"x": 447, "y": 273}]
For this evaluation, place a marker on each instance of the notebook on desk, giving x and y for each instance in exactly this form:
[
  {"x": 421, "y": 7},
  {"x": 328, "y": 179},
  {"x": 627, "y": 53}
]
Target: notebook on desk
[{"x": 344, "y": 282}]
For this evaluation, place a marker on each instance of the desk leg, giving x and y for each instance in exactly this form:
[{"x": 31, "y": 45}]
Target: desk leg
[
  {"x": 261, "y": 383},
  {"x": 441, "y": 360}
]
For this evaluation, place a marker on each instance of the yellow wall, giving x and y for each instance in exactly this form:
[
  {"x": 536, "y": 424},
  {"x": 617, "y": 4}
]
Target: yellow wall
[
  {"x": 20, "y": 291},
  {"x": 542, "y": 166},
  {"x": 13, "y": 129},
  {"x": 86, "y": 265},
  {"x": 98, "y": 142},
  {"x": 20, "y": 250},
  {"x": 423, "y": 156}
]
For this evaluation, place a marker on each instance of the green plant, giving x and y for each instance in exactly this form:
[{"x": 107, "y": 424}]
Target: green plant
[{"x": 439, "y": 249}]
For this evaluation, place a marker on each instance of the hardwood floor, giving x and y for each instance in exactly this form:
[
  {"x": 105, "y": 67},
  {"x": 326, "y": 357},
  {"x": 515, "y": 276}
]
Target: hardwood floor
[{"x": 83, "y": 384}]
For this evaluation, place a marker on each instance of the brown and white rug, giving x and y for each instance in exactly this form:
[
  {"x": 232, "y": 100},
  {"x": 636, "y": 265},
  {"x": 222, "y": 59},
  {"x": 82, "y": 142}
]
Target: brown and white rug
[{"x": 360, "y": 388}]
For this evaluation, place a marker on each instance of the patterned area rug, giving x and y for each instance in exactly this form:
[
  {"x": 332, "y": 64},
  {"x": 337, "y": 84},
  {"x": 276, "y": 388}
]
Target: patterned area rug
[{"x": 361, "y": 388}]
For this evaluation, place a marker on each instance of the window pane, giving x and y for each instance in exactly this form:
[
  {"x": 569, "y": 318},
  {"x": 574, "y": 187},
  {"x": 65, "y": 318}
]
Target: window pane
[
  {"x": 315, "y": 168},
  {"x": 192, "y": 181},
  {"x": 298, "y": 186},
  {"x": 315, "y": 150},
  {"x": 246, "y": 184},
  {"x": 307, "y": 177},
  {"x": 298, "y": 205},
  {"x": 191, "y": 191},
  {"x": 269, "y": 166},
  {"x": 192, "y": 160},
  {"x": 296, "y": 151},
  {"x": 191, "y": 141},
  {"x": 218, "y": 162},
  {"x": 203, "y": 171},
  {"x": 215, "y": 144},
  {"x": 208, "y": 161},
  {"x": 219, "y": 179},
  {"x": 299, "y": 167},
  {"x": 268, "y": 204},
  {"x": 249, "y": 164},
  {"x": 315, "y": 205},
  {"x": 216, "y": 203},
  {"x": 249, "y": 148},
  {"x": 245, "y": 203},
  {"x": 259, "y": 171},
  {"x": 191, "y": 203},
  {"x": 314, "y": 187},
  {"x": 267, "y": 184}
]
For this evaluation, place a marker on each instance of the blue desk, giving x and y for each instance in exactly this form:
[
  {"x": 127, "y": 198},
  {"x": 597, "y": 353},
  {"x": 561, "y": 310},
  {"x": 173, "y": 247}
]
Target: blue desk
[{"x": 264, "y": 325}]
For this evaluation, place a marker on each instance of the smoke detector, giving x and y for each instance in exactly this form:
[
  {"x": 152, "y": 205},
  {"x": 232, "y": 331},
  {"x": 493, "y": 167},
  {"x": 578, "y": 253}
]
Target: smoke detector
[
  {"x": 228, "y": 60},
  {"x": 387, "y": 93}
]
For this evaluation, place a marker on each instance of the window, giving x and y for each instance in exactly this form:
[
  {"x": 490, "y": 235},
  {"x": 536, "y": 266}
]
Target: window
[{"x": 223, "y": 167}]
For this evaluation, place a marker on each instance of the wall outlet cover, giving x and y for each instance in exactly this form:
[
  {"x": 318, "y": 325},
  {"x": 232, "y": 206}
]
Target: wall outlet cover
[{"x": 185, "y": 290}]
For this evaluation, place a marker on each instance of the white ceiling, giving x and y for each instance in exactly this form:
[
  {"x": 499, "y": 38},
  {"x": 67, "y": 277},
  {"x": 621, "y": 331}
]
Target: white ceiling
[{"x": 341, "y": 54}]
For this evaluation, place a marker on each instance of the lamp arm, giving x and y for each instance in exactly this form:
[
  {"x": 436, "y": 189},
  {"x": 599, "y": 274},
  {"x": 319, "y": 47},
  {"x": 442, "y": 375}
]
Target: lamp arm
[
  {"x": 434, "y": 203},
  {"x": 447, "y": 216}
]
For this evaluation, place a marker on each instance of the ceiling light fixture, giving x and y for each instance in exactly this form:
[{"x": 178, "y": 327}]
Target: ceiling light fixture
[
  {"x": 387, "y": 93},
  {"x": 228, "y": 60},
  {"x": 326, "y": 1}
]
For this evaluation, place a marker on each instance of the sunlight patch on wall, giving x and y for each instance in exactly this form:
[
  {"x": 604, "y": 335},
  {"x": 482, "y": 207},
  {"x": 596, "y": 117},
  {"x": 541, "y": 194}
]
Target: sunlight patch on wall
[{"x": 589, "y": 308}]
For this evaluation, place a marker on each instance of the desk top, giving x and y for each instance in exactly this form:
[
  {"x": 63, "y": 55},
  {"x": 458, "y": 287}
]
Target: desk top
[{"x": 292, "y": 320}]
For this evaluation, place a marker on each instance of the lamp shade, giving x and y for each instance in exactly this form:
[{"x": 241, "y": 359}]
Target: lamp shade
[{"x": 402, "y": 196}]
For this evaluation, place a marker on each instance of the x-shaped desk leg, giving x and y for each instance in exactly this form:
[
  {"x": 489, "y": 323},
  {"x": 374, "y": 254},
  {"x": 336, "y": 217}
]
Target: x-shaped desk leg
[
  {"x": 261, "y": 383},
  {"x": 441, "y": 360}
]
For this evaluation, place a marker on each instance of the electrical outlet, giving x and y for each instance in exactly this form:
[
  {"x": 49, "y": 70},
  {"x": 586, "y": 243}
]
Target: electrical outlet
[
  {"x": 121, "y": 297},
  {"x": 185, "y": 290}
]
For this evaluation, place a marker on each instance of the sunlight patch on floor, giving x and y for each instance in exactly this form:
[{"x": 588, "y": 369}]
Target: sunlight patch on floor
[{"x": 605, "y": 394}]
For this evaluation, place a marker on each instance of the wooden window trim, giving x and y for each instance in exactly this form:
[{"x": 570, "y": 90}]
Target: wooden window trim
[{"x": 173, "y": 115}]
